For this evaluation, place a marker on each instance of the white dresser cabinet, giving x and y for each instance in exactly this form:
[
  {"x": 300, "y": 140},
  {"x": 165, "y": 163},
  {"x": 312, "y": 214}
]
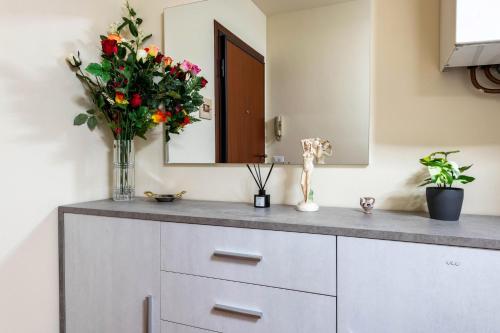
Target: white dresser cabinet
[
  {"x": 236, "y": 277},
  {"x": 234, "y": 280},
  {"x": 302, "y": 262},
  {"x": 395, "y": 287},
  {"x": 110, "y": 275},
  {"x": 233, "y": 307}
]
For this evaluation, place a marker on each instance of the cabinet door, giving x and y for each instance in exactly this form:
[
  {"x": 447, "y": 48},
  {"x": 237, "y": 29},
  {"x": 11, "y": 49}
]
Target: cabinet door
[
  {"x": 394, "y": 287},
  {"x": 111, "y": 267}
]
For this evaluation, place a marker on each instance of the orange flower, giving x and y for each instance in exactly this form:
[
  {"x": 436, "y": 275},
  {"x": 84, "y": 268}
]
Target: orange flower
[
  {"x": 116, "y": 37},
  {"x": 120, "y": 98},
  {"x": 152, "y": 50},
  {"x": 159, "y": 117},
  {"x": 167, "y": 61}
]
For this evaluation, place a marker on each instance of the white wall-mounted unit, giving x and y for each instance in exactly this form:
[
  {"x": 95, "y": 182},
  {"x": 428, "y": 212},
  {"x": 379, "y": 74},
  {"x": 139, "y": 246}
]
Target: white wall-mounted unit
[{"x": 470, "y": 33}]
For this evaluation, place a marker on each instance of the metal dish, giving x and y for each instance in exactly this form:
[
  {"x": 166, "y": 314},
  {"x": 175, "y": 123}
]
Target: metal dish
[{"x": 164, "y": 197}]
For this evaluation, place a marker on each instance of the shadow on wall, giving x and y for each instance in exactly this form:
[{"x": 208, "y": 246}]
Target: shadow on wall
[
  {"x": 410, "y": 197},
  {"x": 42, "y": 153},
  {"x": 416, "y": 104}
]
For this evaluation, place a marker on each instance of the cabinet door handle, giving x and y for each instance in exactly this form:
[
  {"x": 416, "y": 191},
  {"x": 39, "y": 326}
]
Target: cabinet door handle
[
  {"x": 239, "y": 311},
  {"x": 149, "y": 300},
  {"x": 238, "y": 255}
]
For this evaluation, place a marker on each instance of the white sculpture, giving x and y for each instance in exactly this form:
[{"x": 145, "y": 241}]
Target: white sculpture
[{"x": 314, "y": 149}]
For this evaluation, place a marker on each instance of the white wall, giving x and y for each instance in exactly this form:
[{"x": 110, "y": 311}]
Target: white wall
[
  {"x": 416, "y": 109},
  {"x": 189, "y": 34},
  {"x": 319, "y": 80},
  {"x": 44, "y": 160}
]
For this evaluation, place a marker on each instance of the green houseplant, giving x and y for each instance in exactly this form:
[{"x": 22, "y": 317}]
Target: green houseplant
[
  {"x": 134, "y": 88},
  {"x": 444, "y": 201}
]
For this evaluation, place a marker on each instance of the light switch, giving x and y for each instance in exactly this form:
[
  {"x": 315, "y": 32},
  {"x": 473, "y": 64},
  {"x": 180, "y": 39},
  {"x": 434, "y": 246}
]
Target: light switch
[
  {"x": 278, "y": 159},
  {"x": 206, "y": 109}
]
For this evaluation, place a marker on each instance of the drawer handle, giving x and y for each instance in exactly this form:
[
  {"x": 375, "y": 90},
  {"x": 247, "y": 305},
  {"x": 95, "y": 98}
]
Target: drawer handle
[
  {"x": 237, "y": 255},
  {"x": 239, "y": 311},
  {"x": 149, "y": 301}
]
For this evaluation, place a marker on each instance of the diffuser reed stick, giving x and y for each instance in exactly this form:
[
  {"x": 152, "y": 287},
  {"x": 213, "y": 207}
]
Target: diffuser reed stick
[{"x": 257, "y": 176}]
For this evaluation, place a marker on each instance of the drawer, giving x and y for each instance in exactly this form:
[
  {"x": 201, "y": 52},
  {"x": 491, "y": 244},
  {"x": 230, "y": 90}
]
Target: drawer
[
  {"x": 168, "y": 327},
  {"x": 233, "y": 307},
  {"x": 286, "y": 260}
]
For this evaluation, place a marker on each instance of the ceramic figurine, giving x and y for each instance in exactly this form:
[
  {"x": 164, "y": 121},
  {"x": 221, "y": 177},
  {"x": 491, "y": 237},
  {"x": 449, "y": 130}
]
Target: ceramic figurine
[
  {"x": 367, "y": 203},
  {"x": 323, "y": 149},
  {"x": 313, "y": 150}
]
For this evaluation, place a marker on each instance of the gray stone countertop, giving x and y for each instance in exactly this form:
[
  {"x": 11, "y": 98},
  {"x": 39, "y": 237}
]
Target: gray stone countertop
[{"x": 471, "y": 231}]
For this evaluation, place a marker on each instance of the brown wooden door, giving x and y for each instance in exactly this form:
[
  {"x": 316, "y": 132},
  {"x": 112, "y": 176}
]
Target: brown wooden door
[{"x": 245, "y": 86}]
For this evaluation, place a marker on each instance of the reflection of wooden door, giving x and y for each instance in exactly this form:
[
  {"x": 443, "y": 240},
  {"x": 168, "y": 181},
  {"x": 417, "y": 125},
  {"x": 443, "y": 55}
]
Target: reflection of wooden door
[
  {"x": 240, "y": 100},
  {"x": 245, "y": 106}
]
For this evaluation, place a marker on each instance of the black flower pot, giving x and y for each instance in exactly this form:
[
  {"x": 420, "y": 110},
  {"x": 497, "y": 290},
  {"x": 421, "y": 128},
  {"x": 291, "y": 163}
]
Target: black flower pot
[{"x": 445, "y": 203}]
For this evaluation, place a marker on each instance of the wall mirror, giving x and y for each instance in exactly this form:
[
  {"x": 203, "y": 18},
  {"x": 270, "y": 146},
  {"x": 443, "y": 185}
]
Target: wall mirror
[{"x": 278, "y": 71}]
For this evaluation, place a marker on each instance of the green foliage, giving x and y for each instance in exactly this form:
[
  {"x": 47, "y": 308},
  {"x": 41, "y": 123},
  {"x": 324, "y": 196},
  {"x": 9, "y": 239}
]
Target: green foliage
[
  {"x": 92, "y": 123},
  {"x": 80, "y": 119},
  {"x": 134, "y": 88},
  {"x": 444, "y": 173}
]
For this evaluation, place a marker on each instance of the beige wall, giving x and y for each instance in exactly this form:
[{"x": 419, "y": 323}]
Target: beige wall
[
  {"x": 319, "y": 80},
  {"x": 44, "y": 161},
  {"x": 416, "y": 109}
]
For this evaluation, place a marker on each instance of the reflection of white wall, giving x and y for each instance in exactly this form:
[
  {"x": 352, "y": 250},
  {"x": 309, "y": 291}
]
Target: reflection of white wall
[
  {"x": 318, "y": 68},
  {"x": 189, "y": 34}
]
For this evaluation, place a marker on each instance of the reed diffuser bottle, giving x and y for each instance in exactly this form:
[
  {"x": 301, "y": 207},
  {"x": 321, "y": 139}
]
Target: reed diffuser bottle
[{"x": 261, "y": 200}]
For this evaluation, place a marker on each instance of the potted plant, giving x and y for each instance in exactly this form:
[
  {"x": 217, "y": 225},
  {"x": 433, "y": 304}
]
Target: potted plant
[
  {"x": 444, "y": 201},
  {"x": 134, "y": 88}
]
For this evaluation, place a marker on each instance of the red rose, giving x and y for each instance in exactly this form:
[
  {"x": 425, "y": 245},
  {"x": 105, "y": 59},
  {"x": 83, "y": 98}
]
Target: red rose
[
  {"x": 186, "y": 121},
  {"x": 173, "y": 70},
  {"x": 136, "y": 101},
  {"x": 203, "y": 82},
  {"x": 159, "y": 58},
  {"x": 109, "y": 47}
]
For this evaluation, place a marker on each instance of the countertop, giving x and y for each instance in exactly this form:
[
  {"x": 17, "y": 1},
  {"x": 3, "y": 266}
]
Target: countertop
[{"x": 472, "y": 231}]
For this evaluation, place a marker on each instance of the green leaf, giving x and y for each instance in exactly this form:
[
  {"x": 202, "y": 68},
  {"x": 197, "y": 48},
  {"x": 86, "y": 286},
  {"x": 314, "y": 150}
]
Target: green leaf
[
  {"x": 147, "y": 37},
  {"x": 91, "y": 112},
  {"x": 465, "y": 168},
  {"x": 122, "y": 52},
  {"x": 100, "y": 70},
  {"x": 174, "y": 94},
  {"x": 100, "y": 101},
  {"x": 94, "y": 69},
  {"x": 123, "y": 25},
  {"x": 133, "y": 29},
  {"x": 80, "y": 119},
  {"x": 138, "y": 21},
  {"x": 92, "y": 123},
  {"x": 103, "y": 37},
  {"x": 106, "y": 65},
  {"x": 466, "y": 179}
]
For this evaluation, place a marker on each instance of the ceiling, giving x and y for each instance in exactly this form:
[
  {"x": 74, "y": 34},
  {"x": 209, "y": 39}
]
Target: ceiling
[{"x": 272, "y": 7}]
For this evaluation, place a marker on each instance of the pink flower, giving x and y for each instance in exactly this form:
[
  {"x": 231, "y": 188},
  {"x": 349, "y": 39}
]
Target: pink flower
[
  {"x": 186, "y": 66},
  {"x": 195, "y": 70}
]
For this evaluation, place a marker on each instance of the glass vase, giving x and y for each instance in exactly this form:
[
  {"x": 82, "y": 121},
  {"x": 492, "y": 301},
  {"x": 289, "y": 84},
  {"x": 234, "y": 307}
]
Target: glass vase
[{"x": 123, "y": 170}]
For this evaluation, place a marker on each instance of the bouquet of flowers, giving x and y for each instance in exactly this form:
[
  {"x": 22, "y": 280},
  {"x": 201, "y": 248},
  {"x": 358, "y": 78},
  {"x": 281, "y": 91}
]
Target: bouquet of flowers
[{"x": 135, "y": 88}]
